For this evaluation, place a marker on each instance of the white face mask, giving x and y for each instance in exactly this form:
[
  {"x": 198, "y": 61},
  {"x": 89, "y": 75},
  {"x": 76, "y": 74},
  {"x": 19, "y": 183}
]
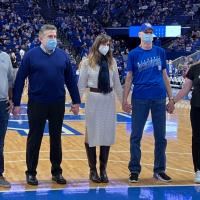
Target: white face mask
[{"x": 103, "y": 49}]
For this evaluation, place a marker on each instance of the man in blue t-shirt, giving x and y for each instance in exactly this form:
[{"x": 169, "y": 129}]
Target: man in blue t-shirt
[
  {"x": 48, "y": 70},
  {"x": 147, "y": 72}
]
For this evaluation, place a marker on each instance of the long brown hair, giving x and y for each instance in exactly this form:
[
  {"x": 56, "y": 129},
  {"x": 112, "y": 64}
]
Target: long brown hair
[{"x": 94, "y": 55}]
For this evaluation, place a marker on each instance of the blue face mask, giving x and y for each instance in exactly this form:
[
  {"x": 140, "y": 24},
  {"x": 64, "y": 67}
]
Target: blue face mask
[
  {"x": 147, "y": 38},
  {"x": 51, "y": 44}
]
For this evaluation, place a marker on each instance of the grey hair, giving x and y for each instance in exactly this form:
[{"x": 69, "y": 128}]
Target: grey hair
[{"x": 47, "y": 27}]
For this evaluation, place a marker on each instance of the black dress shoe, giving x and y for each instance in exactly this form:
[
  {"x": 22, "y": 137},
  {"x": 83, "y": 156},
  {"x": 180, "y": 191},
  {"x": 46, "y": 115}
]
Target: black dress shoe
[
  {"x": 104, "y": 177},
  {"x": 94, "y": 177},
  {"x": 58, "y": 178},
  {"x": 31, "y": 179}
]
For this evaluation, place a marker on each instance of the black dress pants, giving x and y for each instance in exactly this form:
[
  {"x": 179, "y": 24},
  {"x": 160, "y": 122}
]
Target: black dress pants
[
  {"x": 195, "y": 122},
  {"x": 38, "y": 113}
]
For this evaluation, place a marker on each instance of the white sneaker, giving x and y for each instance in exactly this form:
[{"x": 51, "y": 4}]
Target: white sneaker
[{"x": 197, "y": 177}]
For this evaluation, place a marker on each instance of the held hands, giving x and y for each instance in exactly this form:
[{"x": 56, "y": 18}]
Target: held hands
[
  {"x": 16, "y": 111},
  {"x": 126, "y": 107},
  {"x": 75, "y": 108},
  {"x": 170, "y": 107},
  {"x": 9, "y": 106}
]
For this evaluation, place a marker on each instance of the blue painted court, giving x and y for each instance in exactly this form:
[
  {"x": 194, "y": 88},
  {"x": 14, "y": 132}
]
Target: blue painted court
[
  {"x": 132, "y": 193},
  {"x": 20, "y": 124}
]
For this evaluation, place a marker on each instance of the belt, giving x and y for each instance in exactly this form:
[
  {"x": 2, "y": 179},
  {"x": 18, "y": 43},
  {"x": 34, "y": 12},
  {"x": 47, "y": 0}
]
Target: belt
[{"x": 98, "y": 91}]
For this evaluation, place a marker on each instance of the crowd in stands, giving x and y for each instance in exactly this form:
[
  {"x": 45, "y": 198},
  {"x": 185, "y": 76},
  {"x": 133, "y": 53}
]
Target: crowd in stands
[
  {"x": 81, "y": 31},
  {"x": 71, "y": 7},
  {"x": 186, "y": 43},
  {"x": 178, "y": 68},
  {"x": 18, "y": 32},
  {"x": 80, "y": 21},
  {"x": 119, "y": 13}
]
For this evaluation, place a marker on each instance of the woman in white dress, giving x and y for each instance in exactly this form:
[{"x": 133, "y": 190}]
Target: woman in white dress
[{"x": 99, "y": 73}]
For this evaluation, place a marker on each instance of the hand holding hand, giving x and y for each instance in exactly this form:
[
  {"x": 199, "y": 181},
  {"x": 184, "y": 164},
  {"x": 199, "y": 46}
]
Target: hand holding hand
[
  {"x": 170, "y": 107},
  {"x": 126, "y": 107},
  {"x": 75, "y": 108},
  {"x": 9, "y": 106},
  {"x": 16, "y": 111}
]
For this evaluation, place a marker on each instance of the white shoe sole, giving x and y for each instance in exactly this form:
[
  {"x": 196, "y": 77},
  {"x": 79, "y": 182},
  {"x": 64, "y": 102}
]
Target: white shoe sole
[
  {"x": 162, "y": 180},
  {"x": 197, "y": 181},
  {"x": 133, "y": 181}
]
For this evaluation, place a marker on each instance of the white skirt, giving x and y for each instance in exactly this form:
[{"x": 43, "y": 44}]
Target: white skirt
[{"x": 100, "y": 119}]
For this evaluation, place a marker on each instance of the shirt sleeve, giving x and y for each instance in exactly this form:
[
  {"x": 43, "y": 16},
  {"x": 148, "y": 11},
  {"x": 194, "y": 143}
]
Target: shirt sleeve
[
  {"x": 190, "y": 74},
  {"x": 163, "y": 60},
  {"x": 130, "y": 63},
  {"x": 71, "y": 84},
  {"x": 10, "y": 74},
  {"x": 117, "y": 85},
  {"x": 83, "y": 77},
  {"x": 22, "y": 74}
]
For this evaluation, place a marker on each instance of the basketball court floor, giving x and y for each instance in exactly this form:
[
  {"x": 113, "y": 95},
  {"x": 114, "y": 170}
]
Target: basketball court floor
[{"x": 75, "y": 167}]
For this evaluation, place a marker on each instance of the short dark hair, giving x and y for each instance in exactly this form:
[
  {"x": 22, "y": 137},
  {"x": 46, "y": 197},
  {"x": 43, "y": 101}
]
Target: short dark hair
[{"x": 47, "y": 27}]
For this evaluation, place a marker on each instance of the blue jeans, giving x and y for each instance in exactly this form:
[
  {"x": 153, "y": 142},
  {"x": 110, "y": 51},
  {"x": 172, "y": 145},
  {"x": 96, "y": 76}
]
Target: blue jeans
[
  {"x": 3, "y": 127},
  {"x": 140, "y": 114}
]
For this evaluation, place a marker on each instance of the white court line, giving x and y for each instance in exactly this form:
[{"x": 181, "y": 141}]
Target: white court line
[
  {"x": 125, "y": 115},
  {"x": 181, "y": 170},
  {"x": 113, "y": 161},
  {"x": 81, "y": 150},
  {"x": 73, "y": 120},
  {"x": 96, "y": 188}
]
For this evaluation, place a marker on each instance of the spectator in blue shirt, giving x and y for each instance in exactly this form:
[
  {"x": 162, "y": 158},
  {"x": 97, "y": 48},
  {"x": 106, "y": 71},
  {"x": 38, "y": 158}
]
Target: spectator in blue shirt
[{"x": 147, "y": 72}]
